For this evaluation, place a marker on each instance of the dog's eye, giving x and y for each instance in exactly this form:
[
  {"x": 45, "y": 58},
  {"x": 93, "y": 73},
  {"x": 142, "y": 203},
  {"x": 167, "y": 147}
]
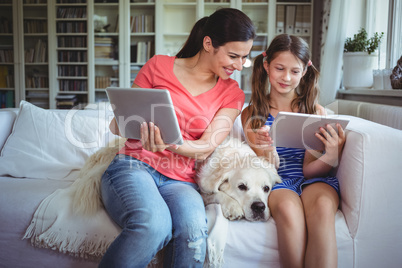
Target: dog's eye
[
  {"x": 266, "y": 189},
  {"x": 243, "y": 187}
]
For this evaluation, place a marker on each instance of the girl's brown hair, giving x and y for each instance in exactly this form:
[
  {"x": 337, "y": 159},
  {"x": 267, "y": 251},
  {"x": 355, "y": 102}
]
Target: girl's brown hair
[{"x": 307, "y": 91}]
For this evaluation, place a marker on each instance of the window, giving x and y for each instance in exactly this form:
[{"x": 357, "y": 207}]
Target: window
[
  {"x": 394, "y": 39},
  {"x": 382, "y": 16}
]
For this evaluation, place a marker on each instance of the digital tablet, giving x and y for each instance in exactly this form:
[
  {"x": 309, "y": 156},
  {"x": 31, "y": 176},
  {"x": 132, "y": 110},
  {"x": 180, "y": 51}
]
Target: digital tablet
[
  {"x": 133, "y": 106},
  {"x": 296, "y": 130}
]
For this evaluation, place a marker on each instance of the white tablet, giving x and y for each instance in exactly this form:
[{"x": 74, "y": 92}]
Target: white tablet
[
  {"x": 133, "y": 106},
  {"x": 296, "y": 130}
]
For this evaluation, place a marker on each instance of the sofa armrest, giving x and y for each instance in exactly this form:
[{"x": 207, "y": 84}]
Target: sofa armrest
[{"x": 370, "y": 180}]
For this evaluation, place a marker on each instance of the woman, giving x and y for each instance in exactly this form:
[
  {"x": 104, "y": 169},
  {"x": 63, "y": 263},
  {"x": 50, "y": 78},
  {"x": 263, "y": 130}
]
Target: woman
[{"x": 149, "y": 188}]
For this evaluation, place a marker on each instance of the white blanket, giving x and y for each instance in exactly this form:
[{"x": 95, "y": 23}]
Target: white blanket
[{"x": 56, "y": 225}]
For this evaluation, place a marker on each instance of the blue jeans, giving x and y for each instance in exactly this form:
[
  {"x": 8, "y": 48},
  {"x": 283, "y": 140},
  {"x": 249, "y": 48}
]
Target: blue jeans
[{"x": 153, "y": 211}]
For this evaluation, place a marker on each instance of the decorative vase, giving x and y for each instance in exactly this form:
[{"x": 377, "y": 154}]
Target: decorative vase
[{"x": 358, "y": 69}]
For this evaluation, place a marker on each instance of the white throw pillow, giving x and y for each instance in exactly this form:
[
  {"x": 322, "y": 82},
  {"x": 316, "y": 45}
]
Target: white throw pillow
[{"x": 52, "y": 144}]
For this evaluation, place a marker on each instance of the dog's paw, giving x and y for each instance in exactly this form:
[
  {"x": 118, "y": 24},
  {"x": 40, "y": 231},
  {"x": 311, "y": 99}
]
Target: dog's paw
[{"x": 232, "y": 212}]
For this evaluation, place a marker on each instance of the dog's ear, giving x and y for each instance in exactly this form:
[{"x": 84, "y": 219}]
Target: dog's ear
[
  {"x": 276, "y": 179},
  {"x": 225, "y": 185},
  {"x": 272, "y": 170},
  {"x": 266, "y": 164}
]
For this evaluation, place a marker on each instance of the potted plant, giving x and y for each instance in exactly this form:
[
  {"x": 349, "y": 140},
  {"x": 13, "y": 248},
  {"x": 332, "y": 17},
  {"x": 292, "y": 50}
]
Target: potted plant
[{"x": 359, "y": 59}]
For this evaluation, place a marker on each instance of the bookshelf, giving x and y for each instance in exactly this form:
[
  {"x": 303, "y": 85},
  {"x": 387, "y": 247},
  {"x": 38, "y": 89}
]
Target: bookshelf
[
  {"x": 8, "y": 55},
  {"x": 142, "y": 30},
  {"x": 72, "y": 50},
  {"x": 35, "y": 58},
  {"x": 72, "y": 62},
  {"x": 106, "y": 43}
]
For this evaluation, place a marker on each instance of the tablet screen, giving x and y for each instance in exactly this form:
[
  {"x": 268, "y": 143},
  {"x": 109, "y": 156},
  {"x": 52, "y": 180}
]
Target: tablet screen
[
  {"x": 296, "y": 130},
  {"x": 133, "y": 106}
]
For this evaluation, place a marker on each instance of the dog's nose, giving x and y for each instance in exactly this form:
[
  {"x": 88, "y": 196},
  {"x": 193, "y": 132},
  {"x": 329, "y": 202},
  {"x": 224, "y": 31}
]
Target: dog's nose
[{"x": 258, "y": 207}]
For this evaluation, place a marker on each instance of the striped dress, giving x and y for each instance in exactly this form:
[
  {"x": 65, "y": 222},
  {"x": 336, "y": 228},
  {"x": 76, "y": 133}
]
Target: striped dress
[{"x": 291, "y": 169}]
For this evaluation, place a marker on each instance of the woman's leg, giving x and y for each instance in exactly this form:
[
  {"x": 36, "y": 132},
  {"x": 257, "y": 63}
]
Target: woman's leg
[
  {"x": 188, "y": 246},
  {"x": 320, "y": 202},
  {"x": 132, "y": 200},
  {"x": 287, "y": 210}
]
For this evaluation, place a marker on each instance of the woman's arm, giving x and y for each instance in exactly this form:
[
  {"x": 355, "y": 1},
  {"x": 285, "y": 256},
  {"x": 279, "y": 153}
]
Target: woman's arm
[
  {"x": 317, "y": 164},
  {"x": 259, "y": 140},
  {"x": 214, "y": 135}
]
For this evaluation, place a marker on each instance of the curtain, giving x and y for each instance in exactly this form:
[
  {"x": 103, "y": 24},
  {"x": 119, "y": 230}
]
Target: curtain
[{"x": 335, "y": 14}]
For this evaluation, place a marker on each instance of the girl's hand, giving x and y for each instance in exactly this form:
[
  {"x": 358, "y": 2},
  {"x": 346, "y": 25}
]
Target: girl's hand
[
  {"x": 151, "y": 138},
  {"x": 263, "y": 139},
  {"x": 332, "y": 140}
]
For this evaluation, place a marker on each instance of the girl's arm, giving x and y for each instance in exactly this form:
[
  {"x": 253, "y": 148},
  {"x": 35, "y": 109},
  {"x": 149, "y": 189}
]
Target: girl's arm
[
  {"x": 259, "y": 140},
  {"x": 317, "y": 164}
]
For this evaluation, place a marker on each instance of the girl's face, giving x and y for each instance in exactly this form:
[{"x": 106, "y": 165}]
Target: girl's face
[
  {"x": 284, "y": 72},
  {"x": 230, "y": 57}
]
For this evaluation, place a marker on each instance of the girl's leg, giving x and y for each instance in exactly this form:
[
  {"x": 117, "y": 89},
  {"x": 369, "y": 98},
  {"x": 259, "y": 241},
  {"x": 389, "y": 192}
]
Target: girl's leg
[
  {"x": 320, "y": 202},
  {"x": 287, "y": 210},
  {"x": 188, "y": 246},
  {"x": 132, "y": 200}
]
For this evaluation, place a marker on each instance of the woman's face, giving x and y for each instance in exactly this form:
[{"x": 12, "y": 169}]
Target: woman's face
[
  {"x": 230, "y": 57},
  {"x": 284, "y": 72}
]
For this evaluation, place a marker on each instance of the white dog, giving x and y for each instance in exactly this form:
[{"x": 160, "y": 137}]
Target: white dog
[{"x": 236, "y": 178}]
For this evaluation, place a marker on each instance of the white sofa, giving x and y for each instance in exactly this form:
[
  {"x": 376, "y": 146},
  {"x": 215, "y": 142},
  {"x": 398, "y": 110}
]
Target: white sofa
[{"x": 368, "y": 224}]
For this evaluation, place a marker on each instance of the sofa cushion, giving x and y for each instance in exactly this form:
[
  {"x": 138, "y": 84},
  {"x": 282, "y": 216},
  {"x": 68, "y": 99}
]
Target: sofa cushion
[{"x": 51, "y": 144}]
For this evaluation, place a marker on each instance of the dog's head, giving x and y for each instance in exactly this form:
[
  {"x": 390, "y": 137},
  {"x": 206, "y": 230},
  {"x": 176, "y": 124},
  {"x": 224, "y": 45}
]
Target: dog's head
[{"x": 249, "y": 184}]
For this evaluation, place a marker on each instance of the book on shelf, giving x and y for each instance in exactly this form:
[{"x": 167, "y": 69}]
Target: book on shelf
[
  {"x": 6, "y": 25},
  {"x": 66, "y": 101},
  {"x": 104, "y": 48},
  {"x": 141, "y": 51},
  {"x": 6, "y": 98},
  {"x": 116, "y": 28},
  {"x": 6, "y": 55},
  {"x": 35, "y": 25},
  {"x": 6, "y": 77},
  {"x": 71, "y": 12},
  {"x": 102, "y": 81},
  {"x": 306, "y": 20},
  {"x": 299, "y": 20},
  {"x": 37, "y": 81},
  {"x": 73, "y": 85},
  {"x": 3, "y": 76},
  {"x": 37, "y": 94},
  {"x": 280, "y": 19},
  {"x": 290, "y": 17},
  {"x": 142, "y": 23},
  {"x": 38, "y": 53}
]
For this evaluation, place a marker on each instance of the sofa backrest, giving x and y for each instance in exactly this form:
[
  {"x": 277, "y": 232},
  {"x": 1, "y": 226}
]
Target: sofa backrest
[{"x": 387, "y": 115}]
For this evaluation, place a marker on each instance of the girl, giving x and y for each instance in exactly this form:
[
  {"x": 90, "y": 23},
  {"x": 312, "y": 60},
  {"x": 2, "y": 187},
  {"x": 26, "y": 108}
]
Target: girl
[
  {"x": 149, "y": 188},
  {"x": 305, "y": 203}
]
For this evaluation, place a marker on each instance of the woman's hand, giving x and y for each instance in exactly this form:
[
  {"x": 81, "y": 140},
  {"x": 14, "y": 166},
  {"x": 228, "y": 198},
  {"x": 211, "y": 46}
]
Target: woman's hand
[
  {"x": 151, "y": 138},
  {"x": 333, "y": 141}
]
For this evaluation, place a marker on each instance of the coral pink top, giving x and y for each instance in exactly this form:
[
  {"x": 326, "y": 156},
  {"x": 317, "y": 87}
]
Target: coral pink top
[{"x": 194, "y": 114}]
